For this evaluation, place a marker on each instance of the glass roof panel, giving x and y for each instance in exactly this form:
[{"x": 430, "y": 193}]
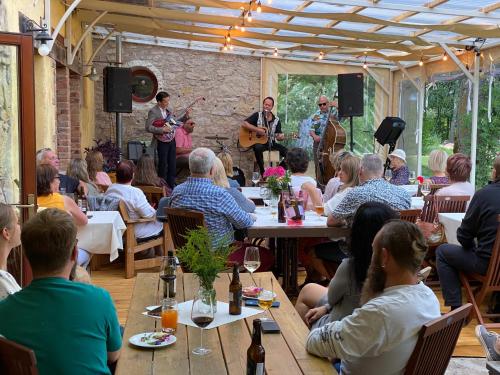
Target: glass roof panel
[
  {"x": 309, "y": 22},
  {"x": 356, "y": 26}
]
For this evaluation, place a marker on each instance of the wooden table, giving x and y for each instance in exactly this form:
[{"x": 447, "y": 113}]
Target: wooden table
[
  {"x": 287, "y": 236},
  {"x": 285, "y": 352}
]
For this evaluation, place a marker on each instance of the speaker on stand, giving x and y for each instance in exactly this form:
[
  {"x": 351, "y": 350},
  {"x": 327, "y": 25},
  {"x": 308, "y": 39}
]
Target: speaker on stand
[
  {"x": 350, "y": 91},
  {"x": 117, "y": 89},
  {"x": 388, "y": 133}
]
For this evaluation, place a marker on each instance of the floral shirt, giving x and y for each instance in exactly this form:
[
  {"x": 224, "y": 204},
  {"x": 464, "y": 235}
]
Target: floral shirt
[
  {"x": 400, "y": 176},
  {"x": 318, "y": 122},
  {"x": 376, "y": 190}
]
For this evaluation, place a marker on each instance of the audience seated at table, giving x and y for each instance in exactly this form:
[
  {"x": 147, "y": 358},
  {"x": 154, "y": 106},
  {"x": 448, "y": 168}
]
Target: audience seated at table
[
  {"x": 437, "y": 165},
  {"x": 372, "y": 188},
  {"x": 136, "y": 203},
  {"x": 318, "y": 305},
  {"x": 220, "y": 179},
  {"x": 9, "y": 239},
  {"x": 297, "y": 161},
  {"x": 379, "y": 337},
  {"x": 95, "y": 164},
  {"x": 72, "y": 327},
  {"x": 67, "y": 184},
  {"x": 349, "y": 176},
  {"x": 77, "y": 168},
  {"x": 476, "y": 235},
  {"x": 145, "y": 174},
  {"x": 227, "y": 162},
  {"x": 458, "y": 167},
  {"x": 400, "y": 172},
  {"x": 201, "y": 194},
  {"x": 334, "y": 183},
  {"x": 48, "y": 196}
]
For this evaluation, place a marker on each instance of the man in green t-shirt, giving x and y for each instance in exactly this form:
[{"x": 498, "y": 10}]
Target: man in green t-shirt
[{"x": 72, "y": 327}]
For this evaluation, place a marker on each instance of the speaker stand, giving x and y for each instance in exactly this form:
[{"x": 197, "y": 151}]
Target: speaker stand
[
  {"x": 351, "y": 127},
  {"x": 392, "y": 146}
]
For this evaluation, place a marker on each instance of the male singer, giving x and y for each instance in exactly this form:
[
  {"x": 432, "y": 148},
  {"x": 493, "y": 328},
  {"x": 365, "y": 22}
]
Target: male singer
[{"x": 265, "y": 123}]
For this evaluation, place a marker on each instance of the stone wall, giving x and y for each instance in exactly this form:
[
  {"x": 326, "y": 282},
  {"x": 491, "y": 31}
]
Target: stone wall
[{"x": 230, "y": 84}]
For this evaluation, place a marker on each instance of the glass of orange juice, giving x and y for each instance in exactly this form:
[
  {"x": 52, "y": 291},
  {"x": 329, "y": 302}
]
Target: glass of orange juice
[{"x": 169, "y": 315}]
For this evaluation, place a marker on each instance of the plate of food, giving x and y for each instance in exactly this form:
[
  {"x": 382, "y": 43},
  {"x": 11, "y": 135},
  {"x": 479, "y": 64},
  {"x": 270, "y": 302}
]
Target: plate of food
[
  {"x": 252, "y": 292},
  {"x": 152, "y": 339}
]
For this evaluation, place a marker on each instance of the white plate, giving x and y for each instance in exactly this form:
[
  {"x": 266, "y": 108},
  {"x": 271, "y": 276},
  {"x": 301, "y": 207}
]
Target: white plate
[{"x": 137, "y": 340}]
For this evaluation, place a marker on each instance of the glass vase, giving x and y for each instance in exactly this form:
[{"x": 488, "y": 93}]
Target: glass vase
[{"x": 208, "y": 292}]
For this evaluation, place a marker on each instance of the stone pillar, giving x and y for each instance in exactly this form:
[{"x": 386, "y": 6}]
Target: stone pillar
[{"x": 63, "y": 116}]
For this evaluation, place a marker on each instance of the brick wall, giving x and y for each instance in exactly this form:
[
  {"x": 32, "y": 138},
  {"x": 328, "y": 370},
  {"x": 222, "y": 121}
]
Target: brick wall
[
  {"x": 231, "y": 85},
  {"x": 75, "y": 95},
  {"x": 63, "y": 116}
]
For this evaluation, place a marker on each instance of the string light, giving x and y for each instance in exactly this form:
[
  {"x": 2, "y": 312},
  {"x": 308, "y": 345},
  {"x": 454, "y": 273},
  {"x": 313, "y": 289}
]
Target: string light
[
  {"x": 269, "y": 1},
  {"x": 275, "y": 52},
  {"x": 365, "y": 65},
  {"x": 243, "y": 28},
  {"x": 249, "y": 16},
  {"x": 445, "y": 57},
  {"x": 231, "y": 47},
  {"x": 421, "y": 62},
  {"x": 225, "y": 47},
  {"x": 321, "y": 56},
  {"x": 259, "y": 7}
]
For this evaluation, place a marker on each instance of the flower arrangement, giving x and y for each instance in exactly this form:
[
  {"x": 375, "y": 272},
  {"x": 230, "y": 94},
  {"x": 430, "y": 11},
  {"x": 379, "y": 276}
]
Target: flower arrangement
[{"x": 277, "y": 179}]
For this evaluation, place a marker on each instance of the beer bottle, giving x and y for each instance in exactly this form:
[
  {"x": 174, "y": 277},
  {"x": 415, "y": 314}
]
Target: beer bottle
[
  {"x": 169, "y": 276},
  {"x": 235, "y": 292},
  {"x": 256, "y": 353},
  {"x": 281, "y": 209}
]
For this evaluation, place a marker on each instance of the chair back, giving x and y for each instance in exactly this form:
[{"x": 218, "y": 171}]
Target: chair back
[
  {"x": 16, "y": 359},
  {"x": 434, "y": 204},
  {"x": 410, "y": 215},
  {"x": 436, "y": 342},
  {"x": 153, "y": 193},
  {"x": 123, "y": 212},
  {"x": 436, "y": 187},
  {"x": 492, "y": 278},
  {"x": 180, "y": 221}
]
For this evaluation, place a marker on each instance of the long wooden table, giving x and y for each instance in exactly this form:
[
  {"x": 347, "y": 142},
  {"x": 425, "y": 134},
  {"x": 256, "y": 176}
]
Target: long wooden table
[{"x": 285, "y": 352}]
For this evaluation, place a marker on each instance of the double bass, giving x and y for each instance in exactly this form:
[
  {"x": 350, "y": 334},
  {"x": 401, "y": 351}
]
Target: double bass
[{"x": 333, "y": 140}]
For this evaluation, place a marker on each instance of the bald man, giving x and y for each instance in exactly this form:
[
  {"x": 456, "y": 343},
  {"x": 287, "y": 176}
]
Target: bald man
[{"x": 318, "y": 123}]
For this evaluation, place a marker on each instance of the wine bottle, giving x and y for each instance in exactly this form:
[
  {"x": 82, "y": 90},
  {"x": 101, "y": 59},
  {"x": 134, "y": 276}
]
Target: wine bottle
[
  {"x": 170, "y": 278},
  {"x": 235, "y": 292},
  {"x": 256, "y": 353},
  {"x": 281, "y": 209}
]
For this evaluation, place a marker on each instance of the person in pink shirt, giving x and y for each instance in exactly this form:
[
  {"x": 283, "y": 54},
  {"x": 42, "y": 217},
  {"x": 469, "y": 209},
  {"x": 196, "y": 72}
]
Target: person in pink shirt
[{"x": 184, "y": 146}]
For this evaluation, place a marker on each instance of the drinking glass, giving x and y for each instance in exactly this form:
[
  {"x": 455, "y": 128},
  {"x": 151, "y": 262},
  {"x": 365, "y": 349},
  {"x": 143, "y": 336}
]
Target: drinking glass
[
  {"x": 202, "y": 314},
  {"x": 265, "y": 194},
  {"x": 255, "y": 178},
  {"x": 412, "y": 177},
  {"x": 167, "y": 270},
  {"x": 388, "y": 174},
  {"x": 266, "y": 299},
  {"x": 252, "y": 259},
  {"x": 169, "y": 315},
  {"x": 426, "y": 188}
]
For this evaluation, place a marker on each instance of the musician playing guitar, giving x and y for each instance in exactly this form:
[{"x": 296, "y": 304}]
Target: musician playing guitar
[{"x": 264, "y": 123}]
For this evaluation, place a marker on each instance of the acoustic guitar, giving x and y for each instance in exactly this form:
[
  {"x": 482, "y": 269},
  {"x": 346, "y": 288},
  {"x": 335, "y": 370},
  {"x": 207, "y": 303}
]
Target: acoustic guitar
[{"x": 248, "y": 138}]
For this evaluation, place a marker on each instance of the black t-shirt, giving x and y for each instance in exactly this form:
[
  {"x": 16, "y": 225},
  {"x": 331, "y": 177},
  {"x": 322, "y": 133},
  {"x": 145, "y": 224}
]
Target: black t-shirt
[
  {"x": 68, "y": 183},
  {"x": 254, "y": 118}
]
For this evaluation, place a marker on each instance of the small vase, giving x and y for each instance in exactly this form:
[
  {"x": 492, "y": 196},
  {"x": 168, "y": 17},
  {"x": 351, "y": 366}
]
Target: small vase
[{"x": 208, "y": 293}]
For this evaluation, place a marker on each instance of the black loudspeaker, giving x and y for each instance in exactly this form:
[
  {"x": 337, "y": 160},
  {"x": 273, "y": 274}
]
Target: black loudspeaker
[
  {"x": 117, "y": 89},
  {"x": 350, "y": 94},
  {"x": 389, "y": 131}
]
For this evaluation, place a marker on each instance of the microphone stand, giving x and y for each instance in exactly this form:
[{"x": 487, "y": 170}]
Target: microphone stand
[{"x": 270, "y": 140}]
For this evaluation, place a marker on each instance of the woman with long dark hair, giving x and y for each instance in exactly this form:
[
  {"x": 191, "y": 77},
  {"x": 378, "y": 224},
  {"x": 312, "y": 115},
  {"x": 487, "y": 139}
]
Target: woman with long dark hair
[{"x": 318, "y": 305}]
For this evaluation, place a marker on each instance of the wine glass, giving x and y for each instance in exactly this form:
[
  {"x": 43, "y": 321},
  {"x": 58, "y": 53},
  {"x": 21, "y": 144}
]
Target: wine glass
[
  {"x": 167, "y": 271},
  {"x": 412, "y": 177},
  {"x": 388, "y": 174},
  {"x": 265, "y": 194},
  {"x": 202, "y": 314},
  {"x": 426, "y": 189},
  {"x": 255, "y": 178},
  {"x": 252, "y": 259}
]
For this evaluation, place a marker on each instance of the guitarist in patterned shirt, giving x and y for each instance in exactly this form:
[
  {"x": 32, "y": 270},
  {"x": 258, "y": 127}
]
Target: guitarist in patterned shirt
[
  {"x": 266, "y": 124},
  {"x": 164, "y": 146}
]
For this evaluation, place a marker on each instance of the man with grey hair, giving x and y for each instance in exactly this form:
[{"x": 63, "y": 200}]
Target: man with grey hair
[
  {"x": 47, "y": 156},
  {"x": 372, "y": 188},
  {"x": 199, "y": 193}
]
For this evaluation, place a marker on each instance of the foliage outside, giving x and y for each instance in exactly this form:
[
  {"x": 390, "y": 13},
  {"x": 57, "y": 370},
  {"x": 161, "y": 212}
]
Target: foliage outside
[{"x": 202, "y": 257}]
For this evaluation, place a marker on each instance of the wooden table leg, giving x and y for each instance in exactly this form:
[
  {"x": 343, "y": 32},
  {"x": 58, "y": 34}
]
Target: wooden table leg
[{"x": 290, "y": 251}]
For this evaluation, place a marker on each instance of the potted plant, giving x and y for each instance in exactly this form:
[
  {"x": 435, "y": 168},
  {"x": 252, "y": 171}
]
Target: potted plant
[{"x": 205, "y": 258}]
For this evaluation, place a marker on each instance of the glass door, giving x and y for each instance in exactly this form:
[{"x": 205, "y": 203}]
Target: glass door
[{"x": 17, "y": 134}]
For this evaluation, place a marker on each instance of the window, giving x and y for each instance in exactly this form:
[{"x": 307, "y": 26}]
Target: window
[{"x": 144, "y": 84}]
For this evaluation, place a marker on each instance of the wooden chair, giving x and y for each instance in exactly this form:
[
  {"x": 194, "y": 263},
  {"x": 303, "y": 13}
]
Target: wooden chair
[
  {"x": 436, "y": 342},
  {"x": 436, "y": 187},
  {"x": 16, "y": 359},
  {"x": 410, "y": 215},
  {"x": 180, "y": 221},
  {"x": 153, "y": 193},
  {"x": 487, "y": 283},
  {"x": 434, "y": 204},
  {"x": 131, "y": 247}
]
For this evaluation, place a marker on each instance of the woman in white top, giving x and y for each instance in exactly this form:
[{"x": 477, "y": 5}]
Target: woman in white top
[
  {"x": 297, "y": 161},
  {"x": 349, "y": 176},
  {"x": 458, "y": 167},
  {"x": 10, "y": 238}
]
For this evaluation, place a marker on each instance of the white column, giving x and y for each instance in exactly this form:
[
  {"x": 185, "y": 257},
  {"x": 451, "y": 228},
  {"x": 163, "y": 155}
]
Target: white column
[
  {"x": 420, "y": 125},
  {"x": 475, "y": 110}
]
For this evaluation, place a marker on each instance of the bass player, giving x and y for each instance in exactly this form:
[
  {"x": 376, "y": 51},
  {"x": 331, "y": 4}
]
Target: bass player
[
  {"x": 266, "y": 124},
  {"x": 165, "y": 146}
]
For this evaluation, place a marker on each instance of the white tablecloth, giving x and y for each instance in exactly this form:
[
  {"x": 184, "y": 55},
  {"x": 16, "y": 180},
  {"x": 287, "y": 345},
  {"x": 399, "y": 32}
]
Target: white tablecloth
[
  {"x": 265, "y": 219},
  {"x": 417, "y": 202},
  {"x": 451, "y": 222},
  {"x": 251, "y": 192},
  {"x": 102, "y": 234},
  {"x": 412, "y": 189}
]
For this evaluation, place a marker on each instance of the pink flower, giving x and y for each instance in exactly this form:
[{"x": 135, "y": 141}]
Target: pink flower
[{"x": 274, "y": 171}]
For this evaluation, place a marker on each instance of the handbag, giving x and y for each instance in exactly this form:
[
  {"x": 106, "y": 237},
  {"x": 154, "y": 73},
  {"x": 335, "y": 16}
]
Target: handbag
[{"x": 433, "y": 231}]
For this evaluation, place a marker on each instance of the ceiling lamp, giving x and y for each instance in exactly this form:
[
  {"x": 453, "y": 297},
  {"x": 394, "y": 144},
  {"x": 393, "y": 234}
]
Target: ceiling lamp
[
  {"x": 259, "y": 7},
  {"x": 321, "y": 55},
  {"x": 275, "y": 52}
]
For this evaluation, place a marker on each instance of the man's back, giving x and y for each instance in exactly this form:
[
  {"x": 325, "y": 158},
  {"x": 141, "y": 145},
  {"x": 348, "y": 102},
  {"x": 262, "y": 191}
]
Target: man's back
[{"x": 69, "y": 325}]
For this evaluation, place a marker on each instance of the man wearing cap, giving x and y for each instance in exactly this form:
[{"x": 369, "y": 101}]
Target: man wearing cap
[{"x": 400, "y": 172}]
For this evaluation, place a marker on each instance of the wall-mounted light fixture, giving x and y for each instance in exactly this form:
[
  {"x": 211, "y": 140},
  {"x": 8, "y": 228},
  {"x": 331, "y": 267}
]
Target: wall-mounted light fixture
[
  {"x": 40, "y": 33},
  {"x": 93, "y": 75}
]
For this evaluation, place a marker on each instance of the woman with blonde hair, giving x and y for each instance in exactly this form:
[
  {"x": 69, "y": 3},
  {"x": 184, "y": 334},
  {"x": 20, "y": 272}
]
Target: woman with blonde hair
[
  {"x": 220, "y": 179},
  {"x": 227, "y": 162},
  {"x": 437, "y": 164},
  {"x": 145, "y": 174},
  {"x": 10, "y": 237},
  {"x": 349, "y": 176},
  {"x": 332, "y": 187},
  {"x": 95, "y": 163},
  {"x": 77, "y": 168}
]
